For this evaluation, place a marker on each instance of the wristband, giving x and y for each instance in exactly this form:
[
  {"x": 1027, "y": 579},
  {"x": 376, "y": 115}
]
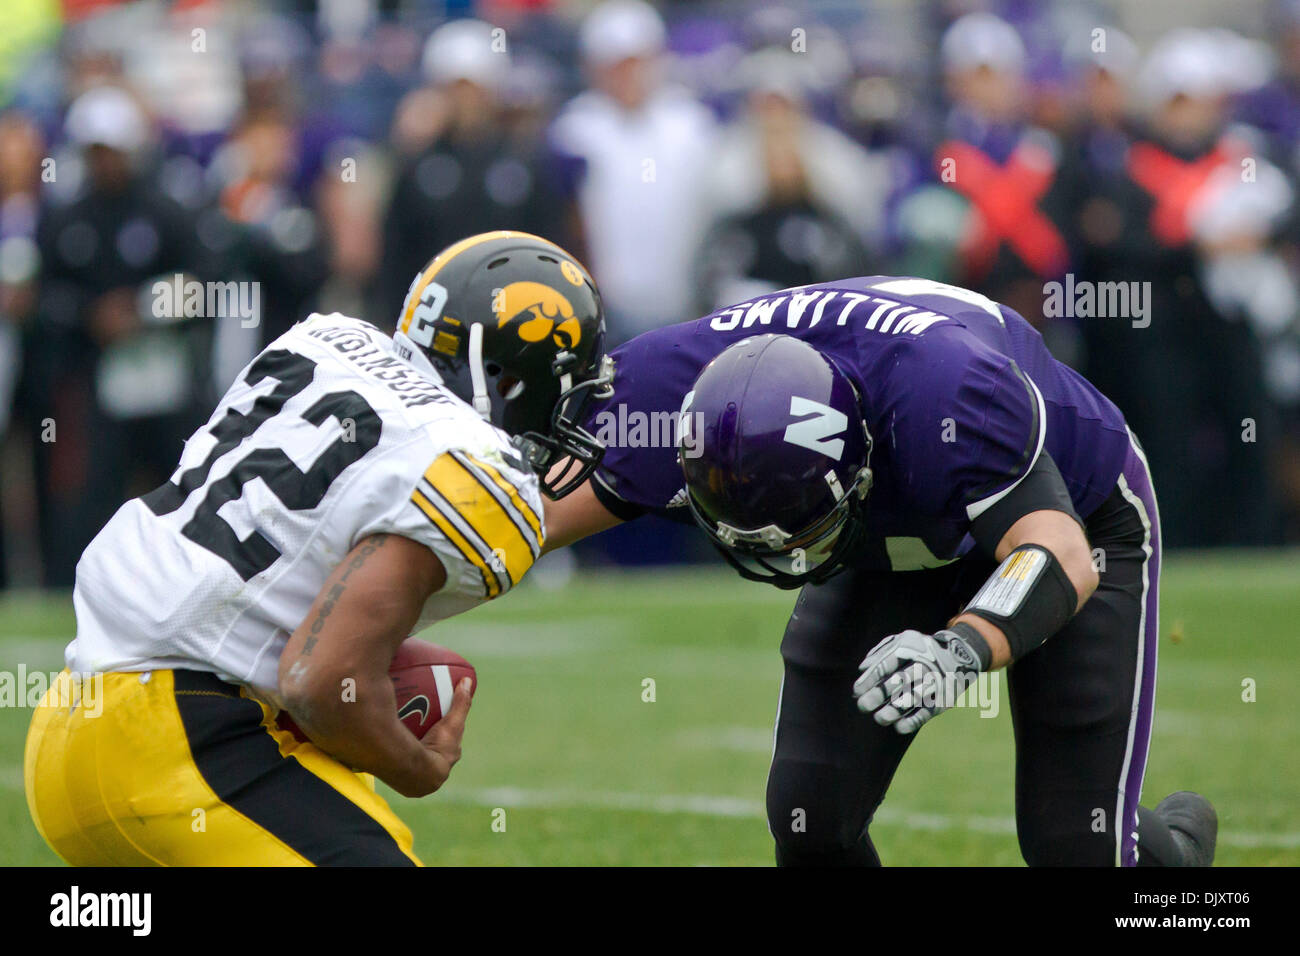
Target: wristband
[
  {"x": 1029, "y": 597},
  {"x": 975, "y": 641}
]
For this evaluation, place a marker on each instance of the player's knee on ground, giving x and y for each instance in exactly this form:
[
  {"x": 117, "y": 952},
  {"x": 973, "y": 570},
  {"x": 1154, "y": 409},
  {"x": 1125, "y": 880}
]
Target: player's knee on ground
[
  {"x": 1071, "y": 838},
  {"x": 815, "y": 816}
]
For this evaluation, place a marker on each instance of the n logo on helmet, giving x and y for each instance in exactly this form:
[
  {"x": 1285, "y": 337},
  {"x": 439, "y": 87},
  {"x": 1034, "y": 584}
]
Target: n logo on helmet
[
  {"x": 818, "y": 432},
  {"x": 538, "y": 311}
]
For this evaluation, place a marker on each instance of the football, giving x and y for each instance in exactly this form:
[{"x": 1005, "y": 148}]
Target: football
[{"x": 424, "y": 678}]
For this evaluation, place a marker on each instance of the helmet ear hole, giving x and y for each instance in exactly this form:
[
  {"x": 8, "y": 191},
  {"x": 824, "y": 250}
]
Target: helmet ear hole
[
  {"x": 509, "y": 387},
  {"x": 492, "y": 369}
]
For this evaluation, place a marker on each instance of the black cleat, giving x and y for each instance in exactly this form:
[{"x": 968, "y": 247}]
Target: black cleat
[{"x": 1193, "y": 824}]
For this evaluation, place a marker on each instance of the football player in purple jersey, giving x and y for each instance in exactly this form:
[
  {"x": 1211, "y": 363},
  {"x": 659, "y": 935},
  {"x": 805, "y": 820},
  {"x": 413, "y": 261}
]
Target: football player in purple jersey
[{"x": 951, "y": 500}]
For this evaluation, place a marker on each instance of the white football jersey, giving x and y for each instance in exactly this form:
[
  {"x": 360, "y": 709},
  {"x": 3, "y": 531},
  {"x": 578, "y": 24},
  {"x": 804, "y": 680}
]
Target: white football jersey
[{"x": 333, "y": 433}]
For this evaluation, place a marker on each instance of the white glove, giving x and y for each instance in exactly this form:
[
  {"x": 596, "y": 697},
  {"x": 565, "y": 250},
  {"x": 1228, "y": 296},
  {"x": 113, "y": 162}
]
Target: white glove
[{"x": 909, "y": 677}]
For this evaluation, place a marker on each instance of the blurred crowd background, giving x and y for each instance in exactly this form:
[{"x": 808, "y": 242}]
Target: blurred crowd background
[{"x": 692, "y": 154}]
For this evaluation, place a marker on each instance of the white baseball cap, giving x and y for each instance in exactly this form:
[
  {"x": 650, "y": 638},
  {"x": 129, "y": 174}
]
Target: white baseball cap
[
  {"x": 464, "y": 50},
  {"x": 621, "y": 29},
  {"x": 1118, "y": 55},
  {"x": 107, "y": 116},
  {"x": 982, "y": 39},
  {"x": 775, "y": 71},
  {"x": 1184, "y": 62}
]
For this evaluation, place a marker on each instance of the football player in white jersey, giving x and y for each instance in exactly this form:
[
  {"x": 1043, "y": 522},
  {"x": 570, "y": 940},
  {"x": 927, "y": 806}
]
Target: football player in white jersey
[{"x": 349, "y": 489}]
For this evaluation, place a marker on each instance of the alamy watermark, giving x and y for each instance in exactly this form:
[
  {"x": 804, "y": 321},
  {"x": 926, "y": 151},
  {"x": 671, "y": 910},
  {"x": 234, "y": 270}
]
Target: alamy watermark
[
  {"x": 618, "y": 427},
  {"x": 1084, "y": 299},
  {"x": 76, "y": 908},
  {"x": 979, "y": 692},
  {"x": 184, "y": 297},
  {"x": 24, "y": 688}
]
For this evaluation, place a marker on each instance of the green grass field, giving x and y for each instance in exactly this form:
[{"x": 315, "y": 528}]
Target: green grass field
[{"x": 587, "y": 772}]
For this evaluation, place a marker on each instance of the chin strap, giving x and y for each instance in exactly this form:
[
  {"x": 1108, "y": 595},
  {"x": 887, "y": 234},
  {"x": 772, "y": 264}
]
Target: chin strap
[{"x": 482, "y": 404}]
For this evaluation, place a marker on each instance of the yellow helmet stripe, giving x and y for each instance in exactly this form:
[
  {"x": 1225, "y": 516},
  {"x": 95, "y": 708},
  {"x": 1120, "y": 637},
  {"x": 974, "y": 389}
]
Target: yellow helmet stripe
[{"x": 444, "y": 257}]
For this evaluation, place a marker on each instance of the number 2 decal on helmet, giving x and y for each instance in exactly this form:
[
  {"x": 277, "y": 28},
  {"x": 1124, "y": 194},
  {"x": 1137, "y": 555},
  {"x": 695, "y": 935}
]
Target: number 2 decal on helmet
[
  {"x": 426, "y": 313},
  {"x": 819, "y": 432}
]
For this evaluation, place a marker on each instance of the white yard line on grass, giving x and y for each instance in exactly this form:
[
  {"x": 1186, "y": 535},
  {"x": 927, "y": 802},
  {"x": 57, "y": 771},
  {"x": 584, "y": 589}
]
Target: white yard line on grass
[
  {"x": 11, "y": 778},
  {"x": 740, "y": 807}
]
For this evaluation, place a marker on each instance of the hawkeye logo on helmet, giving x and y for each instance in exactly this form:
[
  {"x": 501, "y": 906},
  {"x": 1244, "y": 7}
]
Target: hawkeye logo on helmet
[
  {"x": 818, "y": 432},
  {"x": 541, "y": 310}
]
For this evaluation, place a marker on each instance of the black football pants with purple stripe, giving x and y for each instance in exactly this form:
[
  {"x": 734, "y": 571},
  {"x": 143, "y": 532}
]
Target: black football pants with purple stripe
[{"x": 1081, "y": 705}]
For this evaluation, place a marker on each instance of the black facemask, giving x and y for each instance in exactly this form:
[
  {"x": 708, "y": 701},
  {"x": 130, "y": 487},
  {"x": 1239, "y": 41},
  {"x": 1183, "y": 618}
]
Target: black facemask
[{"x": 568, "y": 442}]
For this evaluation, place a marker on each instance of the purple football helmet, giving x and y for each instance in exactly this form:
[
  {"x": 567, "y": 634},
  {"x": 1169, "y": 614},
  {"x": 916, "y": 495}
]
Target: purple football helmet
[{"x": 777, "y": 460}]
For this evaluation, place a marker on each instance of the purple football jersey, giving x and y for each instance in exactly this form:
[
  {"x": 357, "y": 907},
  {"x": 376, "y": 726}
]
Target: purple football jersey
[{"x": 959, "y": 394}]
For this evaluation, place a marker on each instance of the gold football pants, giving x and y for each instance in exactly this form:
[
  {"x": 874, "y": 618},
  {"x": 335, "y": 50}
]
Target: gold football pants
[{"x": 178, "y": 768}]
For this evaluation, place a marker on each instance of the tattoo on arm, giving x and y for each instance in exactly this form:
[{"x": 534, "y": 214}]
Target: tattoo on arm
[{"x": 373, "y": 544}]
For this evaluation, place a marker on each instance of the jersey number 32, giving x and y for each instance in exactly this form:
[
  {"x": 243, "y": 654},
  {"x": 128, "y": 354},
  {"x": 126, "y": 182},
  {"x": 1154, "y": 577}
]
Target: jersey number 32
[{"x": 297, "y": 490}]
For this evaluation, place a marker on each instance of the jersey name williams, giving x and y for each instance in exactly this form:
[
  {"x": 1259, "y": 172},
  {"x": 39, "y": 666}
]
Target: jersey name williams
[{"x": 808, "y": 309}]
